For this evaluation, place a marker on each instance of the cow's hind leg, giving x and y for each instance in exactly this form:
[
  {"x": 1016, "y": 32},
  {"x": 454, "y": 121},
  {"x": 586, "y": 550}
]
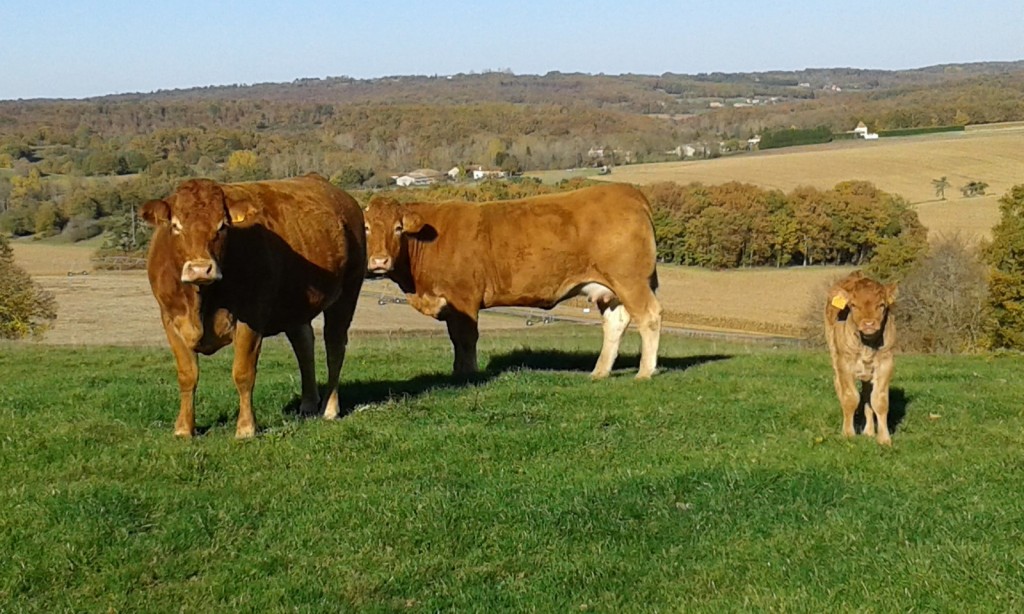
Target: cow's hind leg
[
  {"x": 337, "y": 319},
  {"x": 301, "y": 338},
  {"x": 464, "y": 332},
  {"x": 616, "y": 321},
  {"x": 646, "y": 313},
  {"x": 243, "y": 370}
]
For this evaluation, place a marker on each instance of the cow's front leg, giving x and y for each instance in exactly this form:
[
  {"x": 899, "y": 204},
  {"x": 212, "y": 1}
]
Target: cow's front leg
[
  {"x": 187, "y": 363},
  {"x": 867, "y": 394},
  {"x": 849, "y": 399},
  {"x": 464, "y": 332},
  {"x": 880, "y": 405},
  {"x": 243, "y": 371}
]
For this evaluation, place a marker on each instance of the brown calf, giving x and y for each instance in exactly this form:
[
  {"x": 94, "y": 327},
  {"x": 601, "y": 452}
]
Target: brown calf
[{"x": 861, "y": 333}]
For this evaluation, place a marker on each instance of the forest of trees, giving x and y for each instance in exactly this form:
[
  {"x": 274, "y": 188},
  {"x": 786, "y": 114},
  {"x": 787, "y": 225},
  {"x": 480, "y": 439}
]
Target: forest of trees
[
  {"x": 735, "y": 225},
  {"x": 80, "y": 167}
]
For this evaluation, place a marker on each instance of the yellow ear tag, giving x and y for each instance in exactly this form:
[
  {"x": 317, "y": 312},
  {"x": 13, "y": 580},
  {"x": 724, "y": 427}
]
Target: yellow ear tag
[
  {"x": 839, "y": 302},
  {"x": 237, "y": 218}
]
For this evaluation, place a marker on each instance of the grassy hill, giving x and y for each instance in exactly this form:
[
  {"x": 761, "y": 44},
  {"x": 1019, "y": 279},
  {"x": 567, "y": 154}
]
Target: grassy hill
[{"x": 721, "y": 485}]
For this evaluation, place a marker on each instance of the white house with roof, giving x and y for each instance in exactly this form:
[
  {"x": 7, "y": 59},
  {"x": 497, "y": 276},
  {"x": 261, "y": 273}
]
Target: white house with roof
[
  {"x": 479, "y": 172},
  {"x": 421, "y": 176},
  {"x": 862, "y": 132}
]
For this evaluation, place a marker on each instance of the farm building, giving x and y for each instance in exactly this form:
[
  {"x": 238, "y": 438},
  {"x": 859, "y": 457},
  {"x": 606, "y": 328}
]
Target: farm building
[{"x": 422, "y": 176}]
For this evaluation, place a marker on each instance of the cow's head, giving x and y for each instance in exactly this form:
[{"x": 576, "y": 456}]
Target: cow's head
[
  {"x": 198, "y": 216},
  {"x": 388, "y": 222},
  {"x": 867, "y": 302}
]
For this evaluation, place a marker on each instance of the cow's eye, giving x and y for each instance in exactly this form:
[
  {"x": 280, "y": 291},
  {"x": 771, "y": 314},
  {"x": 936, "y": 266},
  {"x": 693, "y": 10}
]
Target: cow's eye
[
  {"x": 175, "y": 226},
  {"x": 398, "y": 229},
  {"x": 367, "y": 229}
]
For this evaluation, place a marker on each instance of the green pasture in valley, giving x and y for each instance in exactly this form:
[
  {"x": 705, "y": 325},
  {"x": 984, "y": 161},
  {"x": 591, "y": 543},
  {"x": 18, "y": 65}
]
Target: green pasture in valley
[{"x": 721, "y": 485}]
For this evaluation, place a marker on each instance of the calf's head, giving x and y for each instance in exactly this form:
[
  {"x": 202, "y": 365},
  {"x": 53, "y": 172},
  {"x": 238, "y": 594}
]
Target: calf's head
[
  {"x": 867, "y": 301},
  {"x": 198, "y": 216},
  {"x": 388, "y": 222}
]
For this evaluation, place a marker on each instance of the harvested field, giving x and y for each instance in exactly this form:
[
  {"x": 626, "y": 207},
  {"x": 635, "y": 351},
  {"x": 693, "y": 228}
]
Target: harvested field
[
  {"x": 116, "y": 308},
  {"x": 904, "y": 166}
]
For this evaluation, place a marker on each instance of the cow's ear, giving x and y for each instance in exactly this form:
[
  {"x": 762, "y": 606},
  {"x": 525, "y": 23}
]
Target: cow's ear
[
  {"x": 891, "y": 292},
  {"x": 241, "y": 212},
  {"x": 839, "y": 298},
  {"x": 155, "y": 212},
  {"x": 411, "y": 222}
]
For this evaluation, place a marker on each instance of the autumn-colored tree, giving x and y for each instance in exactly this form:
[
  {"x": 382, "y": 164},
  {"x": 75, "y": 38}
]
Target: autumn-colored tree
[
  {"x": 811, "y": 208},
  {"x": 1005, "y": 256},
  {"x": 245, "y": 165},
  {"x": 25, "y": 308}
]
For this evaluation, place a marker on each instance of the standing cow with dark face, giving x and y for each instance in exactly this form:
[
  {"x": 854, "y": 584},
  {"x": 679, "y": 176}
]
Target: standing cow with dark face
[
  {"x": 861, "y": 335},
  {"x": 243, "y": 261},
  {"x": 453, "y": 259}
]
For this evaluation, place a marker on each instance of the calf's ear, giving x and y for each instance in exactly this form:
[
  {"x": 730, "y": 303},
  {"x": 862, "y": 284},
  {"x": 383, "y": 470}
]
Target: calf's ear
[
  {"x": 838, "y": 298},
  {"x": 412, "y": 222},
  {"x": 241, "y": 212},
  {"x": 891, "y": 292},
  {"x": 155, "y": 212}
]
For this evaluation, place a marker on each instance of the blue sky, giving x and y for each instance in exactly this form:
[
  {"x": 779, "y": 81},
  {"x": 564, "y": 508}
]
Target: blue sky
[{"x": 75, "y": 49}]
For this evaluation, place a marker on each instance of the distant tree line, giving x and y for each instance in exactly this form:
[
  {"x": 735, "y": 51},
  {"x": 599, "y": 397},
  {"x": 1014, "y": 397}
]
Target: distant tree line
[{"x": 740, "y": 225}]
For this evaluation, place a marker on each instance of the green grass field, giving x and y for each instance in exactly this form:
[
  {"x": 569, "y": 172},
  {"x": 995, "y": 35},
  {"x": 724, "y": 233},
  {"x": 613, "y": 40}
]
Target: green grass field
[{"x": 721, "y": 485}]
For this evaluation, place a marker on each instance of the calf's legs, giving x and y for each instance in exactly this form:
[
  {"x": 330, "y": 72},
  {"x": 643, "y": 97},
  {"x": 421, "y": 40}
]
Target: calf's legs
[
  {"x": 849, "y": 400},
  {"x": 880, "y": 407}
]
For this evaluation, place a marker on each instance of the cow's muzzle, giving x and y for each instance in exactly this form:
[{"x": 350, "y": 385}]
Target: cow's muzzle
[
  {"x": 869, "y": 329},
  {"x": 200, "y": 272},
  {"x": 378, "y": 266}
]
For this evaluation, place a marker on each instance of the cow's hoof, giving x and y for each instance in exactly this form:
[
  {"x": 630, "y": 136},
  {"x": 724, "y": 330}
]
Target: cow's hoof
[
  {"x": 599, "y": 375},
  {"x": 246, "y": 432},
  {"x": 884, "y": 441},
  {"x": 645, "y": 376},
  {"x": 184, "y": 433},
  {"x": 309, "y": 408}
]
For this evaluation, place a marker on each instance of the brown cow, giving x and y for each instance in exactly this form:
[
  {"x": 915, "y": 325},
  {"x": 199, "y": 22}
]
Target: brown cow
[
  {"x": 242, "y": 261},
  {"x": 861, "y": 333},
  {"x": 453, "y": 259}
]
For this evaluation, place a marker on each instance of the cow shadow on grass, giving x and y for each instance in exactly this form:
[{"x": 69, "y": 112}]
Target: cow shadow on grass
[
  {"x": 898, "y": 403},
  {"x": 556, "y": 360},
  {"x": 362, "y": 393}
]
